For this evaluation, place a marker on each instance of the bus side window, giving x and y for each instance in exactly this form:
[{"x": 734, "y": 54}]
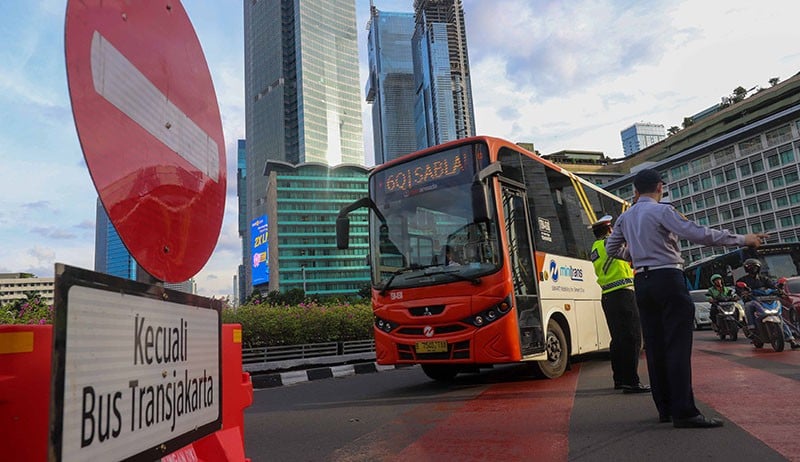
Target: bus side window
[{"x": 546, "y": 221}]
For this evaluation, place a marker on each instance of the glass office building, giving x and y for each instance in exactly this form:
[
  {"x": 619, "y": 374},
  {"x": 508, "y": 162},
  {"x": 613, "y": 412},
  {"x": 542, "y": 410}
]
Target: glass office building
[
  {"x": 737, "y": 169},
  {"x": 390, "y": 86},
  {"x": 443, "y": 108},
  {"x": 641, "y": 135},
  {"x": 239, "y": 289},
  {"x": 110, "y": 254},
  {"x": 112, "y": 257},
  {"x": 304, "y": 200},
  {"x": 302, "y": 91}
]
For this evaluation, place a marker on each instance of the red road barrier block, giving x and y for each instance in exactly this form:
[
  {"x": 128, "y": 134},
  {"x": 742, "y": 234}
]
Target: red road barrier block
[
  {"x": 25, "y": 355},
  {"x": 24, "y": 391},
  {"x": 237, "y": 390},
  {"x": 237, "y": 394}
]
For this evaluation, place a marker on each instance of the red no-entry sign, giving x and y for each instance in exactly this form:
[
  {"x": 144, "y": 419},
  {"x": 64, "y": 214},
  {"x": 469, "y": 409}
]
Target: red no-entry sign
[{"x": 149, "y": 125}]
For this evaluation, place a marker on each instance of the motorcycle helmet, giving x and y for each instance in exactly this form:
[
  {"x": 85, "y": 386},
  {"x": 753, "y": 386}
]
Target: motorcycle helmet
[
  {"x": 714, "y": 277},
  {"x": 752, "y": 266}
]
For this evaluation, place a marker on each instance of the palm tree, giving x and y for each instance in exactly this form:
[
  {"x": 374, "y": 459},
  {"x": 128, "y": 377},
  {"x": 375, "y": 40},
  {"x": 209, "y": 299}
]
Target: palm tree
[{"x": 774, "y": 81}]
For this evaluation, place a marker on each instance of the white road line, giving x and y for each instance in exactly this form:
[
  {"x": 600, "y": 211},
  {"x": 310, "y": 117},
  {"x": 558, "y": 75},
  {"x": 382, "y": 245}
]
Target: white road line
[{"x": 123, "y": 85}]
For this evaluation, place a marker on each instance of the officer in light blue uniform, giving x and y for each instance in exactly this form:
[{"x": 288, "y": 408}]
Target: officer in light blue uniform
[{"x": 651, "y": 231}]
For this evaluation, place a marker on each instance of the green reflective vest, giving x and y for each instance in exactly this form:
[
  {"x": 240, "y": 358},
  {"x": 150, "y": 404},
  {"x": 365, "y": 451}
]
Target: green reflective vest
[{"x": 612, "y": 273}]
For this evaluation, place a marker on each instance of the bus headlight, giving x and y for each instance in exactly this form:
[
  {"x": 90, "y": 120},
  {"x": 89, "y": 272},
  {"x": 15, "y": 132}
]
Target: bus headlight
[
  {"x": 490, "y": 314},
  {"x": 385, "y": 326}
]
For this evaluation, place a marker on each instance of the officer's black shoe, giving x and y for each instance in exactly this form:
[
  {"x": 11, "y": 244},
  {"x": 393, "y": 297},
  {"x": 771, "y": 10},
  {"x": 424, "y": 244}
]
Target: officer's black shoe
[
  {"x": 638, "y": 388},
  {"x": 698, "y": 421},
  {"x": 794, "y": 344}
]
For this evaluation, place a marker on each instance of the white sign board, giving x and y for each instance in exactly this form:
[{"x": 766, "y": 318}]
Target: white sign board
[{"x": 138, "y": 371}]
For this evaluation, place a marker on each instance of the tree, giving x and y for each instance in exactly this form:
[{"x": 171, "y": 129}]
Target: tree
[
  {"x": 739, "y": 94},
  {"x": 774, "y": 81},
  {"x": 673, "y": 130},
  {"x": 688, "y": 122}
]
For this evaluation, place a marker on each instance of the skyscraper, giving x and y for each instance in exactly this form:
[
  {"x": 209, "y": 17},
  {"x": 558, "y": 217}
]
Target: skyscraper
[
  {"x": 302, "y": 95},
  {"x": 110, "y": 254},
  {"x": 443, "y": 108},
  {"x": 112, "y": 257},
  {"x": 390, "y": 86},
  {"x": 641, "y": 135},
  {"x": 243, "y": 224}
]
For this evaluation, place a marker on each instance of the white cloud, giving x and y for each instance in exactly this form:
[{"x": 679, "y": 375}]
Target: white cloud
[{"x": 564, "y": 75}]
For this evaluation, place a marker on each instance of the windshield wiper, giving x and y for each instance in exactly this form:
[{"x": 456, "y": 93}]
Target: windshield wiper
[
  {"x": 405, "y": 269},
  {"x": 474, "y": 280},
  {"x": 448, "y": 272}
]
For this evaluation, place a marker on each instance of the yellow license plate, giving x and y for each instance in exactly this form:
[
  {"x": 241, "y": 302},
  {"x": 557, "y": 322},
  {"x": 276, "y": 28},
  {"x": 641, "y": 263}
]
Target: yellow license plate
[{"x": 436, "y": 346}]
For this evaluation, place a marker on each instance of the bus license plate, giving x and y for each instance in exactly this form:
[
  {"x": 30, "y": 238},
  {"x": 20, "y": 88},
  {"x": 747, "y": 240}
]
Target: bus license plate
[{"x": 436, "y": 346}]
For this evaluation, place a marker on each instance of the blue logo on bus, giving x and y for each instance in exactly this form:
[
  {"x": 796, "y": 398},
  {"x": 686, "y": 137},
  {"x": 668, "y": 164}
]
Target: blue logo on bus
[
  {"x": 553, "y": 271},
  {"x": 575, "y": 274}
]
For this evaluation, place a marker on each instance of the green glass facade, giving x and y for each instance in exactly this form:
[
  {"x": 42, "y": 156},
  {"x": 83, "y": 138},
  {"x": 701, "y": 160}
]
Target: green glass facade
[
  {"x": 302, "y": 205},
  {"x": 301, "y": 94}
]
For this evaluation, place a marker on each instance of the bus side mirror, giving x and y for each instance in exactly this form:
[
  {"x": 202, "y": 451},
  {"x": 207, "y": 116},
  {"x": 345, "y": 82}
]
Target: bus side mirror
[
  {"x": 479, "y": 208},
  {"x": 342, "y": 233}
]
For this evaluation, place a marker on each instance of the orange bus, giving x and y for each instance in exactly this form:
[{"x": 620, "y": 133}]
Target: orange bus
[{"x": 479, "y": 255}]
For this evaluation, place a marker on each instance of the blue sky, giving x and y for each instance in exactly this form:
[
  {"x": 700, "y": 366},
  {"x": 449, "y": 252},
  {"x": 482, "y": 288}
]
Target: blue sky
[{"x": 564, "y": 75}]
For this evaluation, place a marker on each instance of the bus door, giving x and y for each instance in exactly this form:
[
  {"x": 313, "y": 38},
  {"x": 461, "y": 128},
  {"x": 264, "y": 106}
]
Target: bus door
[{"x": 521, "y": 262}]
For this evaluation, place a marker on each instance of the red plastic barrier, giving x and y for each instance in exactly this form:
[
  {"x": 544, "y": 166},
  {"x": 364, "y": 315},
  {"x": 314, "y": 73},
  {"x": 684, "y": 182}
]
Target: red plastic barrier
[
  {"x": 25, "y": 353},
  {"x": 24, "y": 391},
  {"x": 237, "y": 394}
]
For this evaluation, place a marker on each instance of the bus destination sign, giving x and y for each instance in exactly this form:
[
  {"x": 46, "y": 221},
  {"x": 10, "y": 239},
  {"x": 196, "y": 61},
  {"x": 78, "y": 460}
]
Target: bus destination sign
[{"x": 428, "y": 173}]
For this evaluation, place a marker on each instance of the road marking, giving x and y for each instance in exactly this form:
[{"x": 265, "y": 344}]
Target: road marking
[{"x": 117, "y": 80}]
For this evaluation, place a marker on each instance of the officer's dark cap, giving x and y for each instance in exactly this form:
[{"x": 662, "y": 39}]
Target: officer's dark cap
[{"x": 647, "y": 179}]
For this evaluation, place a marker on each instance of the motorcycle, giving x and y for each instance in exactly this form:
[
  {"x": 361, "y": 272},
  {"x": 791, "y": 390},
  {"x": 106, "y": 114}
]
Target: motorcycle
[
  {"x": 768, "y": 319},
  {"x": 728, "y": 316}
]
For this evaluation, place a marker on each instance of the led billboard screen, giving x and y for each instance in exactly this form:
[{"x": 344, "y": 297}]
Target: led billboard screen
[{"x": 259, "y": 232}]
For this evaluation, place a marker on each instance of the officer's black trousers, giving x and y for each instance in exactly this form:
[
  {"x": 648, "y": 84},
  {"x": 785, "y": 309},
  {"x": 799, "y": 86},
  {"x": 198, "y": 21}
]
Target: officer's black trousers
[
  {"x": 667, "y": 314},
  {"x": 622, "y": 318}
]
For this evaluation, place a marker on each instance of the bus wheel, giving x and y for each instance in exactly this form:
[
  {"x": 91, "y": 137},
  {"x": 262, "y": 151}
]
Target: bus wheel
[
  {"x": 440, "y": 372},
  {"x": 555, "y": 345}
]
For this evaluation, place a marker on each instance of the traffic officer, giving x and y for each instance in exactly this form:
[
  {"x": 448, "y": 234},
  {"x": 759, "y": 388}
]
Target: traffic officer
[
  {"x": 651, "y": 231},
  {"x": 615, "y": 277}
]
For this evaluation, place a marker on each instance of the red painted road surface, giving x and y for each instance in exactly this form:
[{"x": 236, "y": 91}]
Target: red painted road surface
[
  {"x": 769, "y": 404},
  {"x": 578, "y": 417},
  {"x": 502, "y": 415}
]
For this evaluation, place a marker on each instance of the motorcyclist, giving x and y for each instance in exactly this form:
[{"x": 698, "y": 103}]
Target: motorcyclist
[
  {"x": 718, "y": 293},
  {"x": 752, "y": 280}
]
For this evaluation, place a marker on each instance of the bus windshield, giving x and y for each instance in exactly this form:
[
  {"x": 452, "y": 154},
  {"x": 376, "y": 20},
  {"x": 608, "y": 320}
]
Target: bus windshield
[{"x": 425, "y": 229}]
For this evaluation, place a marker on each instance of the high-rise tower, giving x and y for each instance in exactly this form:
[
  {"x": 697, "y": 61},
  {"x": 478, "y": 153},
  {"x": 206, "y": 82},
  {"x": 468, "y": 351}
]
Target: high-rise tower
[
  {"x": 302, "y": 95},
  {"x": 443, "y": 108},
  {"x": 112, "y": 257},
  {"x": 110, "y": 254},
  {"x": 390, "y": 86}
]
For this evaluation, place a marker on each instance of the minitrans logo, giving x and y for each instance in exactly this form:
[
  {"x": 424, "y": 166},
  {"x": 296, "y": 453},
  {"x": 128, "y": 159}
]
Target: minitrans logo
[{"x": 575, "y": 274}]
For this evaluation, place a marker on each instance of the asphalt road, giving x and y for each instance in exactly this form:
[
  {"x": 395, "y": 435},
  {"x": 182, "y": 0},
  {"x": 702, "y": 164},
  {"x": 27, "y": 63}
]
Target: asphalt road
[{"x": 507, "y": 414}]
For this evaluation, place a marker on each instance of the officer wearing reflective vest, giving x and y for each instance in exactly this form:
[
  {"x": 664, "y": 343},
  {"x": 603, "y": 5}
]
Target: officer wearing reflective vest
[{"x": 615, "y": 278}]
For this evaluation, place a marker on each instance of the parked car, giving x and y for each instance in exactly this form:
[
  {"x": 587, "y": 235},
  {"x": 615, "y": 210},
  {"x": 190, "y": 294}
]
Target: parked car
[{"x": 702, "y": 318}]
